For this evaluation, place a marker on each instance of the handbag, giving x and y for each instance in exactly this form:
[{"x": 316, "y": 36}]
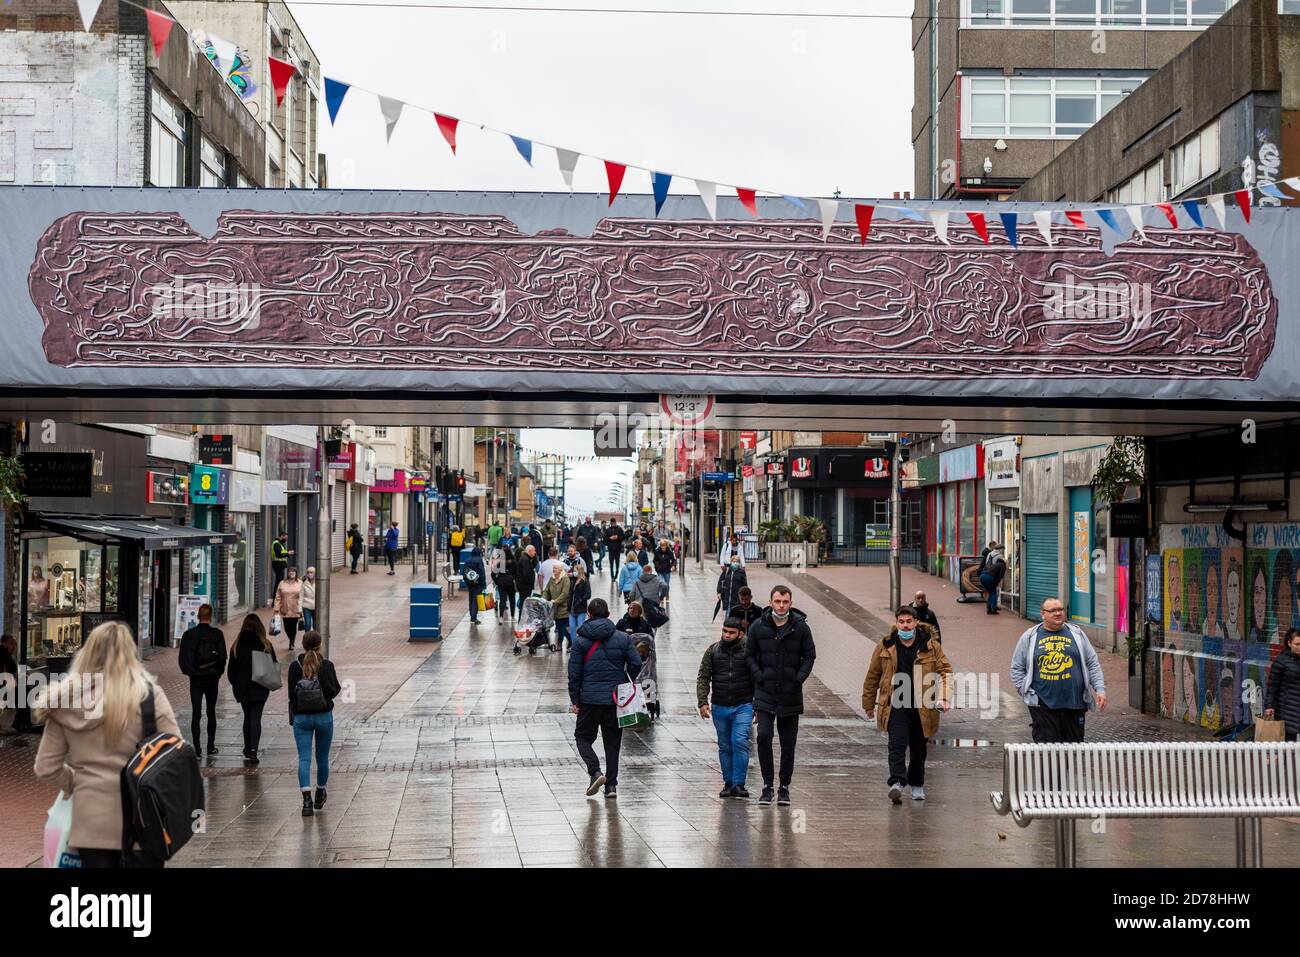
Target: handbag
[
  {"x": 266, "y": 671},
  {"x": 482, "y": 602},
  {"x": 629, "y": 701},
  {"x": 277, "y": 625},
  {"x": 1266, "y": 729},
  {"x": 654, "y": 613}
]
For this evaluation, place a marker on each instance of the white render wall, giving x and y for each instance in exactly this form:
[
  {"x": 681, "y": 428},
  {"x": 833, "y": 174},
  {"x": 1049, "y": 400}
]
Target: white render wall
[{"x": 72, "y": 108}]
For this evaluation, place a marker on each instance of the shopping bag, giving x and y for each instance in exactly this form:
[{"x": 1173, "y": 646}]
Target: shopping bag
[
  {"x": 482, "y": 602},
  {"x": 1268, "y": 730},
  {"x": 58, "y": 825},
  {"x": 654, "y": 613},
  {"x": 487, "y": 602},
  {"x": 266, "y": 671},
  {"x": 631, "y": 710},
  {"x": 277, "y": 625}
]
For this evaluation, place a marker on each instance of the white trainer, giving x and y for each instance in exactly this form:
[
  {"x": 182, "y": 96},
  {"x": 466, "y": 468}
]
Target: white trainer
[{"x": 918, "y": 793}]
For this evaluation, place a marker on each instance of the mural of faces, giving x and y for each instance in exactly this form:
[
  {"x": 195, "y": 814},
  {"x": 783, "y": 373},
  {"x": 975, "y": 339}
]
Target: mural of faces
[
  {"x": 1188, "y": 700},
  {"x": 1258, "y": 601},
  {"x": 1283, "y": 584},
  {"x": 1168, "y": 658},
  {"x": 1175, "y": 592},
  {"x": 1211, "y": 626},
  {"x": 1232, "y": 601}
]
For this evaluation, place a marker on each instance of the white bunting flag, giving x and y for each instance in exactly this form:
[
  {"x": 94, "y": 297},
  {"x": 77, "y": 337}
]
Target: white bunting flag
[
  {"x": 708, "y": 193},
  {"x": 830, "y": 209},
  {"x": 1293, "y": 182},
  {"x": 1216, "y": 204},
  {"x": 88, "y": 9},
  {"x": 1135, "y": 214},
  {"x": 392, "y": 110},
  {"x": 940, "y": 220},
  {"x": 1044, "y": 220},
  {"x": 225, "y": 51},
  {"x": 568, "y": 163}
]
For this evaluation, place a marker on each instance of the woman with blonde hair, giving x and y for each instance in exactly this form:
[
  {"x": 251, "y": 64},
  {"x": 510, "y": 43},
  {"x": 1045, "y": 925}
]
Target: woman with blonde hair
[
  {"x": 250, "y": 695},
  {"x": 308, "y": 601},
  {"x": 93, "y": 725},
  {"x": 313, "y": 686}
]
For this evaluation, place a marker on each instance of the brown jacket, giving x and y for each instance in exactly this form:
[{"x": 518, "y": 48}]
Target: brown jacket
[
  {"x": 288, "y": 599},
  {"x": 930, "y": 659},
  {"x": 73, "y": 758}
]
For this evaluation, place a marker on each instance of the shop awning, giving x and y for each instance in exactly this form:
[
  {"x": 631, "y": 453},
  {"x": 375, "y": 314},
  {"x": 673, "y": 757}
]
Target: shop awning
[{"x": 148, "y": 532}]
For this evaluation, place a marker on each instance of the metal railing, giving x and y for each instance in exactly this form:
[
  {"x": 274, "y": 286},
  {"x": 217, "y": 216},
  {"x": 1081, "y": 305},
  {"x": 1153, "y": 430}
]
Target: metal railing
[{"x": 860, "y": 551}]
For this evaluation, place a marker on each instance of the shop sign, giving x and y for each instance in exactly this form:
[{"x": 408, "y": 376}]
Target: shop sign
[
  {"x": 58, "y": 474},
  {"x": 803, "y": 467},
  {"x": 209, "y": 485},
  {"x": 217, "y": 449}
]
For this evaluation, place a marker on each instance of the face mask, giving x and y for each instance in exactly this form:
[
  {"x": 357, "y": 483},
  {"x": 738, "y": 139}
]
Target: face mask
[
  {"x": 780, "y": 615},
  {"x": 906, "y": 635},
  {"x": 735, "y": 564}
]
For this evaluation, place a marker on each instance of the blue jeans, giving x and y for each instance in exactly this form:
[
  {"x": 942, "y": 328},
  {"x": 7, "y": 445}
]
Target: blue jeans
[
  {"x": 990, "y": 587},
  {"x": 667, "y": 579},
  {"x": 322, "y": 727},
  {"x": 732, "y": 724},
  {"x": 575, "y": 622},
  {"x": 308, "y": 619}
]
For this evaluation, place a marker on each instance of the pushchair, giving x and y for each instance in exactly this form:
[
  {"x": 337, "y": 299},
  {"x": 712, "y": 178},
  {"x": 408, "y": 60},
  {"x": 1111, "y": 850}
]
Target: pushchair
[
  {"x": 648, "y": 677},
  {"x": 532, "y": 630}
]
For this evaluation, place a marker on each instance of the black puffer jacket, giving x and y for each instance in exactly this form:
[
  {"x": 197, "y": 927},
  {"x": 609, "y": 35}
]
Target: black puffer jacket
[
  {"x": 780, "y": 661},
  {"x": 665, "y": 560},
  {"x": 594, "y": 677},
  {"x": 1283, "y": 694},
  {"x": 525, "y": 574},
  {"x": 725, "y": 670},
  {"x": 581, "y": 595}
]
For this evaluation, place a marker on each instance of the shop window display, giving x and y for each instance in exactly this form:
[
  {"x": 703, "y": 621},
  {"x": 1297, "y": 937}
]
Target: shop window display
[{"x": 65, "y": 579}]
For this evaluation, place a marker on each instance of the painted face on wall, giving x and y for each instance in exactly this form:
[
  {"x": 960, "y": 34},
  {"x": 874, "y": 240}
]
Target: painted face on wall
[
  {"x": 1232, "y": 598},
  {"x": 1167, "y": 679},
  {"x": 1282, "y": 608},
  {"x": 1193, "y": 603},
  {"x": 1259, "y": 598},
  {"x": 1174, "y": 588},
  {"x": 1211, "y": 599},
  {"x": 1187, "y": 707}
]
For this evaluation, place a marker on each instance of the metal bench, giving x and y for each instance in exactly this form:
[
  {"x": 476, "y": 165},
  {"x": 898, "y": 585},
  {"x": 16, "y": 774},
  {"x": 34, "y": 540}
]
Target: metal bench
[{"x": 1065, "y": 782}]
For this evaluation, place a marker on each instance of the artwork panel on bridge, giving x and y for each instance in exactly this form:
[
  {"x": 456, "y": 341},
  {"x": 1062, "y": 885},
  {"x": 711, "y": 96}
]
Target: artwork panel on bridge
[
  {"x": 1226, "y": 608},
  {"x": 358, "y": 290}
]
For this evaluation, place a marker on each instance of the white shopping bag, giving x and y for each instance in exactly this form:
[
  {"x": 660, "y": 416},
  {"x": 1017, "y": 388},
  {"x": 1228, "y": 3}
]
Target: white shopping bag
[
  {"x": 631, "y": 710},
  {"x": 277, "y": 625},
  {"x": 58, "y": 825}
]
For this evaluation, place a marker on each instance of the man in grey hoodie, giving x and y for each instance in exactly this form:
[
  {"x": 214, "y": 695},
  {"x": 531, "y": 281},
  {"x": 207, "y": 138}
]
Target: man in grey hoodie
[{"x": 1058, "y": 674}]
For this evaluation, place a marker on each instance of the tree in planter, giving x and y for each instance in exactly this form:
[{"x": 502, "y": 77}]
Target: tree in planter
[
  {"x": 1124, "y": 464},
  {"x": 810, "y": 529},
  {"x": 771, "y": 530},
  {"x": 11, "y": 485}
]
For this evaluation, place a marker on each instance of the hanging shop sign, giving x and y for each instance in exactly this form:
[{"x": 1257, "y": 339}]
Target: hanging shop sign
[
  {"x": 217, "y": 449},
  {"x": 748, "y": 440},
  {"x": 209, "y": 485},
  {"x": 1002, "y": 464},
  {"x": 167, "y": 488},
  {"x": 803, "y": 468}
]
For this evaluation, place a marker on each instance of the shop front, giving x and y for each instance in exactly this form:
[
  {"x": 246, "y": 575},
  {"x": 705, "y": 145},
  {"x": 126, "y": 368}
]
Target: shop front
[{"x": 1002, "y": 481}]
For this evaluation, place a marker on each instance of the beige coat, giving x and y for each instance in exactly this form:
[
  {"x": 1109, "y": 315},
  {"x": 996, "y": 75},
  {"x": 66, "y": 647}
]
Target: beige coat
[
  {"x": 308, "y": 594},
  {"x": 878, "y": 687},
  {"x": 288, "y": 599},
  {"x": 73, "y": 758}
]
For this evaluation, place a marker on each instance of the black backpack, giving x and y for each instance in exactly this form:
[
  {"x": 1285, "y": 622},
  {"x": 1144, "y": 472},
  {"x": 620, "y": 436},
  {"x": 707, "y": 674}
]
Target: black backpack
[
  {"x": 162, "y": 792},
  {"x": 309, "y": 696},
  {"x": 207, "y": 657}
]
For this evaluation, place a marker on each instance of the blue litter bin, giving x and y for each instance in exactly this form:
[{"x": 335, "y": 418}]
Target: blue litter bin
[
  {"x": 426, "y": 612},
  {"x": 466, "y": 554}
]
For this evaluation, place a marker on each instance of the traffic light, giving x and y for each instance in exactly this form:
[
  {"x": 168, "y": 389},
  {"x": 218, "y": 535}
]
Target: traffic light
[
  {"x": 460, "y": 483},
  {"x": 440, "y": 479}
]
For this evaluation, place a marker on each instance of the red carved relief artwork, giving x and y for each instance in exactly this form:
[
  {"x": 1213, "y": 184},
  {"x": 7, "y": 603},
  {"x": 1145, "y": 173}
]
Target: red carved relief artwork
[{"x": 453, "y": 291}]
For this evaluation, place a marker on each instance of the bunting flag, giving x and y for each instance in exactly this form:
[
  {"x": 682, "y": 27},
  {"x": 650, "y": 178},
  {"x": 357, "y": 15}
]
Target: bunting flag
[
  {"x": 1168, "y": 210},
  {"x": 160, "y": 28},
  {"x": 392, "y": 110},
  {"x": 939, "y": 217},
  {"x": 1107, "y": 216},
  {"x": 1193, "y": 210},
  {"x": 1076, "y": 218},
  {"x": 1010, "y": 225},
  {"x": 568, "y": 160},
  {"x": 830, "y": 208},
  {"x": 709, "y": 194},
  {"x": 335, "y": 90},
  {"x": 525, "y": 148},
  {"x": 88, "y": 9},
  {"x": 660, "y": 183},
  {"x": 282, "y": 72},
  {"x": 796, "y": 201},
  {"x": 1044, "y": 220},
  {"x": 980, "y": 226},
  {"x": 614, "y": 173},
  {"x": 863, "y": 213},
  {"x": 747, "y": 200},
  {"x": 1216, "y": 204},
  {"x": 1135, "y": 214},
  {"x": 1270, "y": 189},
  {"x": 1292, "y": 182},
  {"x": 447, "y": 126},
  {"x": 1242, "y": 196}
]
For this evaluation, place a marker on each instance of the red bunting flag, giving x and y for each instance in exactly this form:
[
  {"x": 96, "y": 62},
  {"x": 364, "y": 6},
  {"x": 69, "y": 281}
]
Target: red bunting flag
[
  {"x": 1168, "y": 210},
  {"x": 1243, "y": 200},
  {"x": 981, "y": 227},
  {"x": 447, "y": 125},
  {"x": 1076, "y": 218},
  {"x": 160, "y": 28},
  {"x": 614, "y": 172},
  {"x": 863, "y": 214},
  {"x": 281, "y": 73},
  {"x": 747, "y": 200}
]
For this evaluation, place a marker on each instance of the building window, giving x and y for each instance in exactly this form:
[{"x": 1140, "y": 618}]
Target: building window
[
  {"x": 212, "y": 171},
  {"x": 1040, "y": 107},
  {"x": 168, "y": 142},
  {"x": 1147, "y": 186},
  {"x": 381, "y": 431},
  {"x": 1091, "y": 14},
  {"x": 242, "y": 181},
  {"x": 1195, "y": 158}
]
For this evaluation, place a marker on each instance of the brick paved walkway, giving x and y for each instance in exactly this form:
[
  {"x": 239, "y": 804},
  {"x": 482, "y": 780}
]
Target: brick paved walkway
[{"x": 462, "y": 754}]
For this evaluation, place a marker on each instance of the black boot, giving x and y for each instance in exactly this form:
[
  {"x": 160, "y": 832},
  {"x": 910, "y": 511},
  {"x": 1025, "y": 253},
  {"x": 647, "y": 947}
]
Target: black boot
[
  {"x": 306, "y": 804},
  {"x": 320, "y": 798}
]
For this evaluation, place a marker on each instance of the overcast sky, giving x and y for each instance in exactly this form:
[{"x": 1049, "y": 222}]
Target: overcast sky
[
  {"x": 787, "y": 104},
  {"x": 590, "y": 484}
]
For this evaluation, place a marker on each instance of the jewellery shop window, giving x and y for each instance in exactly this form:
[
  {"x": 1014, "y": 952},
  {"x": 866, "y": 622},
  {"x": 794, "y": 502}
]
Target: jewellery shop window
[{"x": 66, "y": 578}]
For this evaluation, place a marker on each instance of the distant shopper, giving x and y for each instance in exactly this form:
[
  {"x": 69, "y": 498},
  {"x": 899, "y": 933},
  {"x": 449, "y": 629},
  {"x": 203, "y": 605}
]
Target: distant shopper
[
  {"x": 731, "y": 548},
  {"x": 250, "y": 695},
  {"x": 503, "y": 577},
  {"x": 558, "y": 591},
  {"x": 628, "y": 575},
  {"x": 83, "y": 756},
  {"x": 288, "y": 604},
  {"x": 313, "y": 686},
  {"x": 548, "y": 568},
  {"x": 635, "y": 622},
  {"x": 390, "y": 548},
  {"x": 203, "y": 661},
  {"x": 614, "y": 536},
  {"x": 909, "y": 714},
  {"x": 526, "y": 573},
  {"x": 1058, "y": 675},
  {"x": 780, "y": 652},
  {"x": 648, "y": 589},
  {"x": 992, "y": 569},
  {"x": 494, "y": 533},
  {"x": 474, "y": 574},
  {"x": 665, "y": 560},
  {"x": 603, "y": 658},
  {"x": 746, "y": 611},
  {"x": 280, "y": 552},
  {"x": 724, "y": 673},
  {"x": 578, "y": 600},
  {"x": 309, "y": 599},
  {"x": 455, "y": 542},
  {"x": 356, "y": 545},
  {"x": 1282, "y": 697},
  {"x": 925, "y": 612},
  {"x": 730, "y": 582}
]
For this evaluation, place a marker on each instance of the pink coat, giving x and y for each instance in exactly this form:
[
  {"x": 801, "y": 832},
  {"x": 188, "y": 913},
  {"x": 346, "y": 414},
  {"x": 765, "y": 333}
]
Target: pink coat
[{"x": 288, "y": 599}]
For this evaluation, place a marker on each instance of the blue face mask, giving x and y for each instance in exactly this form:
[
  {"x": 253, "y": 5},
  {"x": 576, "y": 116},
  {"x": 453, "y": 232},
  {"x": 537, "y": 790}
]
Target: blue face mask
[{"x": 906, "y": 635}]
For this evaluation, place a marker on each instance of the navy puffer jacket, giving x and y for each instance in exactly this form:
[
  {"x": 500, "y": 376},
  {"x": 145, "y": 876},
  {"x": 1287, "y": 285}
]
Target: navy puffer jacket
[{"x": 612, "y": 661}]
